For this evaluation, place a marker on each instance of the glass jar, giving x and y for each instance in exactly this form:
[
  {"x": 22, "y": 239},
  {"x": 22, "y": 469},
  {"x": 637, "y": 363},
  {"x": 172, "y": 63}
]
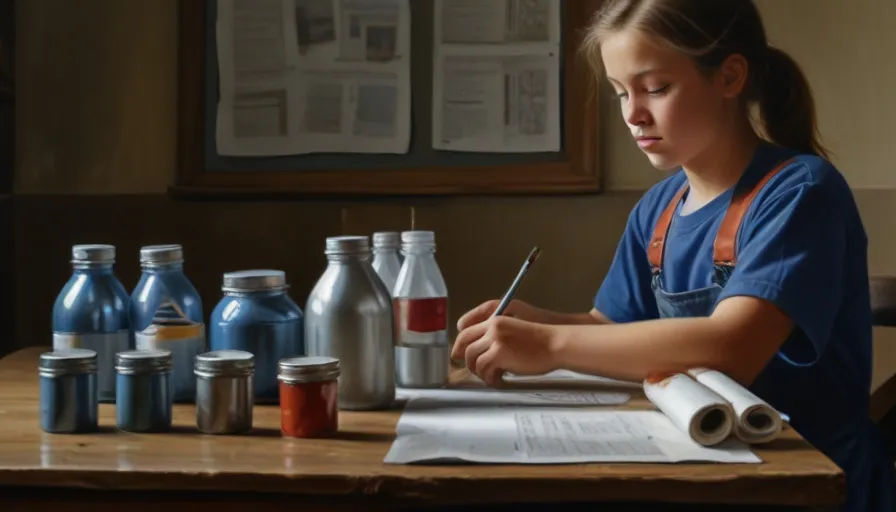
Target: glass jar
[
  {"x": 309, "y": 392},
  {"x": 257, "y": 315}
]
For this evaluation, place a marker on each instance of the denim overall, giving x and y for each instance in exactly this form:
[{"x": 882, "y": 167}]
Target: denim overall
[{"x": 700, "y": 302}]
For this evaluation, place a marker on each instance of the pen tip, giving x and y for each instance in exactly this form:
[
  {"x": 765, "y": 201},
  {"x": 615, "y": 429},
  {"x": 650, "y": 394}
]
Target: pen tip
[{"x": 534, "y": 254}]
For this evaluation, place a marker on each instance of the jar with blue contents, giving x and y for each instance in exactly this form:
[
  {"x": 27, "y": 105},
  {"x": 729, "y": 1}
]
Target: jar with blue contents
[
  {"x": 90, "y": 312},
  {"x": 165, "y": 313},
  {"x": 258, "y": 316}
]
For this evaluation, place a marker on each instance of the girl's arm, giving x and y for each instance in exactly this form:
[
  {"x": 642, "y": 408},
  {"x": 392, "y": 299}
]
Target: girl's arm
[{"x": 740, "y": 337}]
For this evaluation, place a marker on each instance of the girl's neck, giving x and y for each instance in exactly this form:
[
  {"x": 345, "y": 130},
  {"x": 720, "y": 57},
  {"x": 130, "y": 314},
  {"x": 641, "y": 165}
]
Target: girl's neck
[{"x": 720, "y": 167}]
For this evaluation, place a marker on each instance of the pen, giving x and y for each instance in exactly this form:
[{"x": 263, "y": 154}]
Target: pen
[{"x": 505, "y": 301}]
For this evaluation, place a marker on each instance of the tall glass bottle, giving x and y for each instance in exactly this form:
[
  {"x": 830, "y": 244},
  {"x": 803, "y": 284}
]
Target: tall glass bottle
[
  {"x": 91, "y": 312},
  {"x": 165, "y": 313},
  {"x": 420, "y": 303},
  {"x": 348, "y": 316},
  {"x": 386, "y": 260}
]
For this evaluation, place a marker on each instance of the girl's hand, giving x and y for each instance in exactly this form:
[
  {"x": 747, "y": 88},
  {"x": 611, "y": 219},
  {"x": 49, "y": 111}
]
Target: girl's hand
[{"x": 504, "y": 344}]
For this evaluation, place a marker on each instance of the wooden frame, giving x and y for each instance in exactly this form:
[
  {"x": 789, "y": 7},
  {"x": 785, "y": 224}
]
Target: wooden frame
[{"x": 574, "y": 170}]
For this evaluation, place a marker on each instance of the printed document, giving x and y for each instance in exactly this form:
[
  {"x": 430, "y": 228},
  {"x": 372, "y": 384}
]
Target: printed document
[
  {"x": 311, "y": 76},
  {"x": 489, "y": 397},
  {"x": 529, "y": 435},
  {"x": 496, "y": 75}
]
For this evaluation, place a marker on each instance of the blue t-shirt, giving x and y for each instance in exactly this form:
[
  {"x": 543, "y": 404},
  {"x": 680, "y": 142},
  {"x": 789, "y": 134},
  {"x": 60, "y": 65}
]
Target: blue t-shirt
[{"x": 801, "y": 246}]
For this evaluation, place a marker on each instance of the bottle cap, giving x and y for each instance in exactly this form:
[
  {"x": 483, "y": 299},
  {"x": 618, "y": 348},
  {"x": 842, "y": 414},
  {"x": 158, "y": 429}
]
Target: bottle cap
[
  {"x": 386, "y": 239},
  {"x": 159, "y": 255},
  {"x": 254, "y": 281},
  {"x": 347, "y": 245},
  {"x": 231, "y": 363},
  {"x": 418, "y": 239},
  {"x": 301, "y": 369},
  {"x": 71, "y": 361},
  {"x": 131, "y": 362},
  {"x": 93, "y": 253}
]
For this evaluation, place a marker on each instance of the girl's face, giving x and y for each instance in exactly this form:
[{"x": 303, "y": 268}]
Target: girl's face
[{"x": 673, "y": 111}]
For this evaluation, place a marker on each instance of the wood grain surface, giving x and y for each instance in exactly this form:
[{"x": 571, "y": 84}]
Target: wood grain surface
[{"x": 350, "y": 466}]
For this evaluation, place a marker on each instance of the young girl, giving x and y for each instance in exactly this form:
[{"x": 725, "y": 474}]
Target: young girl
[{"x": 750, "y": 257}]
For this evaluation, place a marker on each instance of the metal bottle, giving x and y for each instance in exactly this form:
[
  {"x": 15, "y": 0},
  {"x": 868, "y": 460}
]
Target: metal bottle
[
  {"x": 348, "y": 316},
  {"x": 386, "y": 260}
]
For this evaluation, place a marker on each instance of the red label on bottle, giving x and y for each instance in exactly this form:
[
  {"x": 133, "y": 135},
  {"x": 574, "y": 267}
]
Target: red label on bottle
[{"x": 421, "y": 315}]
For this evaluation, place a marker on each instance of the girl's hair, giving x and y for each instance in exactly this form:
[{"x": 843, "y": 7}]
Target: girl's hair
[{"x": 709, "y": 31}]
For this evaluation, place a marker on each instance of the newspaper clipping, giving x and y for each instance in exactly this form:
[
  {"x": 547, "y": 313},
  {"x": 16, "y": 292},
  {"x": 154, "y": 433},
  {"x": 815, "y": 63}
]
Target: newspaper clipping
[
  {"x": 312, "y": 76},
  {"x": 496, "y": 75}
]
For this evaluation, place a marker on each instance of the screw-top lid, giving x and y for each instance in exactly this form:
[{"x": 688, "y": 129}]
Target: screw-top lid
[
  {"x": 143, "y": 361},
  {"x": 70, "y": 361},
  {"x": 418, "y": 238},
  {"x": 347, "y": 245},
  {"x": 224, "y": 362},
  {"x": 254, "y": 281},
  {"x": 93, "y": 253},
  {"x": 386, "y": 239},
  {"x": 157, "y": 255},
  {"x": 307, "y": 369}
]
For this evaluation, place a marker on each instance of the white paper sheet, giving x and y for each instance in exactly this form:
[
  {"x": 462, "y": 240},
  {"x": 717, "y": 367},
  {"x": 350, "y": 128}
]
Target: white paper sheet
[
  {"x": 488, "y": 397},
  {"x": 569, "y": 377},
  {"x": 312, "y": 76},
  {"x": 496, "y": 76},
  {"x": 550, "y": 436}
]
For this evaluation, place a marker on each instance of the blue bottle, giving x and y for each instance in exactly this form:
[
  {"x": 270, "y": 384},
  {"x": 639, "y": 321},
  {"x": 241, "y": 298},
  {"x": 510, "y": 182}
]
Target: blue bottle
[
  {"x": 91, "y": 312},
  {"x": 258, "y": 316},
  {"x": 165, "y": 313}
]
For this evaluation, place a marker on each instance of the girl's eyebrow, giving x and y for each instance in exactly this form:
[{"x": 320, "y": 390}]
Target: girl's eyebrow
[{"x": 639, "y": 74}]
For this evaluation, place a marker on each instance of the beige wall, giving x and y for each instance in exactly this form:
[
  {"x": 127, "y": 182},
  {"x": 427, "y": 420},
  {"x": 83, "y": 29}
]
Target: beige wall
[{"x": 96, "y": 98}]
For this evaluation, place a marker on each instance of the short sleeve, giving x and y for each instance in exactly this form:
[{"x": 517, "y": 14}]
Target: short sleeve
[
  {"x": 625, "y": 294},
  {"x": 791, "y": 252}
]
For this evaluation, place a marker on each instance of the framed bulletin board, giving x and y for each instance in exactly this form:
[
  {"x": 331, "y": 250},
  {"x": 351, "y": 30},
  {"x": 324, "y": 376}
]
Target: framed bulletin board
[{"x": 569, "y": 165}]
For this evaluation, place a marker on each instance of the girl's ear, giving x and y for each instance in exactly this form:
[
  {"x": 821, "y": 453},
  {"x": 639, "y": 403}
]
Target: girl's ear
[{"x": 733, "y": 74}]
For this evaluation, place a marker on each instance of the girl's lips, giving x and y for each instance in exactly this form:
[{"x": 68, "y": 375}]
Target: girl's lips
[{"x": 646, "y": 142}]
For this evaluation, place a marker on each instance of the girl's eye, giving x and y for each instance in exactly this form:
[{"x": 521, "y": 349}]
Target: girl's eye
[
  {"x": 657, "y": 92},
  {"x": 621, "y": 95}
]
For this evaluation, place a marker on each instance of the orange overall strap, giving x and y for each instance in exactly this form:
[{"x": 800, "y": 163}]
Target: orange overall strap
[
  {"x": 723, "y": 249},
  {"x": 657, "y": 242}
]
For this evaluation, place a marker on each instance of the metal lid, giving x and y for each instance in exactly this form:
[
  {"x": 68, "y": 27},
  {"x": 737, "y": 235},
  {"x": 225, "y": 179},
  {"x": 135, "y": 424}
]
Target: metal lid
[
  {"x": 386, "y": 239},
  {"x": 347, "y": 245},
  {"x": 418, "y": 238},
  {"x": 224, "y": 362},
  {"x": 254, "y": 281},
  {"x": 93, "y": 253},
  {"x": 70, "y": 361},
  {"x": 143, "y": 361},
  {"x": 307, "y": 369},
  {"x": 154, "y": 255}
]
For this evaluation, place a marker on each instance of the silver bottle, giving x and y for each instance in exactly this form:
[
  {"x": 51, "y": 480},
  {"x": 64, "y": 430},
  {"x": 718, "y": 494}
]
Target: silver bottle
[
  {"x": 386, "y": 260},
  {"x": 348, "y": 316}
]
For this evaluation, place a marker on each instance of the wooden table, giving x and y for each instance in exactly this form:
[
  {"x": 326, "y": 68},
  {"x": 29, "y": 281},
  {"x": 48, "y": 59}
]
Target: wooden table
[{"x": 346, "y": 473}]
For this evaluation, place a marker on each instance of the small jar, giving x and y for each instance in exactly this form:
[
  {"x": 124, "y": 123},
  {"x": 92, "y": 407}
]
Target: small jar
[
  {"x": 143, "y": 399},
  {"x": 308, "y": 396},
  {"x": 224, "y": 391},
  {"x": 68, "y": 391}
]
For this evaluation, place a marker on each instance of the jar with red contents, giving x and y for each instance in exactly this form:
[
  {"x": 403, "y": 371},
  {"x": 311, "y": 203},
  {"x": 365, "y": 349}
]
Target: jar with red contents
[{"x": 308, "y": 396}]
